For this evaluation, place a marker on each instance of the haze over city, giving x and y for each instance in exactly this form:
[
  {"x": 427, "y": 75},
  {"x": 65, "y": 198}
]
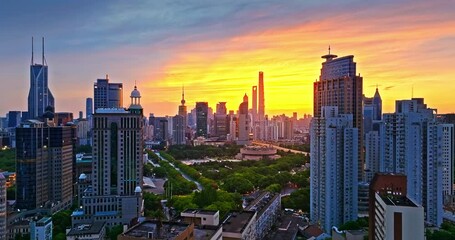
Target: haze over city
[{"x": 216, "y": 50}]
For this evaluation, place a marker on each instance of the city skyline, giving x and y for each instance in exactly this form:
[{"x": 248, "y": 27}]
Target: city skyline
[{"x": 217, "y": 50}]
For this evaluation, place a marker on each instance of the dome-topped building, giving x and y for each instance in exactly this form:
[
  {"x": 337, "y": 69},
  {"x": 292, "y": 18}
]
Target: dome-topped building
[{"x": 135, "y": 106}]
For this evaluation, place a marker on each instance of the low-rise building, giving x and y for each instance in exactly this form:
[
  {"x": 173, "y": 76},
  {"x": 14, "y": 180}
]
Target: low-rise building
[
  {"x": 257, "y": 153},
  {"x": 240, "y": 225},
  {"x": 94, "y": 231},
  {"x": 41, "y": 229},
  {"x": 201, "y": 217},
  {"x": 159, "y": 231},
  {"x": 267, "y": 207}
]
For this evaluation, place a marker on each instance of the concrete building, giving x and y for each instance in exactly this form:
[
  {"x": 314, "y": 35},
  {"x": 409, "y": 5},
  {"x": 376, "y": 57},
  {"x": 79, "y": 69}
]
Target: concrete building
[
  {"x": 398, "y": 217},
  {"x": 106, "y": 94},
  {"x": 415, "y": 141},
  {"x": 201, "y": 217},
  {"x": 159, "y": 231},
  {"x": 339, "y": 86},
  {"x": 41, "y": 229},
  {"x": 93, "y": 231},
  {"x": 115, "y": 193},
  {"x": 240, "y": 225},
  {"x": 268, "y": 208},
  {"x": 39, "y": 96},
  {"x": 334, "y": 180},
  {"x": 257, "y": 153}
]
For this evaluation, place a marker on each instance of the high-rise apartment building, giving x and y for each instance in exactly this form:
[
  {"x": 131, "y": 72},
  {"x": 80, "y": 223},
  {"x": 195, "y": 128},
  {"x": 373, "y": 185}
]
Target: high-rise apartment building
[
  {"x": 339, "y": 86},
  {"x": 44, "y": 165},
  {"x": 107, "y": 95},
  {"x": 39, "y": 95},
  {"x": 115, "y": 194},
  {"x": 202, "y": 110},
  {"x": 334, "y": 158},
  {"x": 418, "y": 145}
]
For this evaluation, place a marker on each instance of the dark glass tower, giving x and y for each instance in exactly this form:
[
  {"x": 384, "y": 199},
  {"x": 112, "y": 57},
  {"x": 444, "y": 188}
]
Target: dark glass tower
[
  {"x": 202, "y": 109},
  {"x": 39, "y": 96}
]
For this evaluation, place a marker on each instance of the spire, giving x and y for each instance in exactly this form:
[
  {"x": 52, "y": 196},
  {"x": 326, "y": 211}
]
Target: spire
[
  {"x": 329, "y": 56},
  {"x": 183, "y": 95},
  {"x": 32, "y": 51},
  {"x": 245, "y": 98},
  {"x": 43, "y": 53}
]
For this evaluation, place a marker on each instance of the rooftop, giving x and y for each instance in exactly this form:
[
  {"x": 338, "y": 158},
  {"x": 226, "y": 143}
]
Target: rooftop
[
  {"x": 200, "y": 211},
  {"x": 94, "y": 228},
  {"x": 205, "y": 232},
  {"x": 261, "y": 203},
  {"x": 149, "y": 228},
  {"x": 398, "y": 200},
  {"x": 237, "y": 221},
  {"x": 111, "y": 110}
]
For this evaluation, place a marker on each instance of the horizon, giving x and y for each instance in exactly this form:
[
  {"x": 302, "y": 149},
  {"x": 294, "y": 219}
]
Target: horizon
[{"x": 216, "y": 51}]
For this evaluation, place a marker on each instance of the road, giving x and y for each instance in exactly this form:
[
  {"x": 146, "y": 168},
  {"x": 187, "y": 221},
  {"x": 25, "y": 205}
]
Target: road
[
  {"x": 281, "y": 148},
  {"x": 198, "y": 185}
]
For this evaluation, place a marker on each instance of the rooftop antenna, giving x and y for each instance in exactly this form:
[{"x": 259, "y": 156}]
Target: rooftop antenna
[
  {"x": 44, "y": 59},
  {"x": 329, "y": 49},
  {"x": 107, "y": 76},
  {"x": 32, "y": 50}
]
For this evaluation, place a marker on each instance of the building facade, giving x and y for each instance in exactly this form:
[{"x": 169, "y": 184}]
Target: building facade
[
  {"x": 39, "y": 95},
  {"x": 334, "y": 180},
  {"x": 107, "y": 95},
  {"x": 115, "y": 194},
  {"x": 339, "y": 86},
  {"x": 202, "y": 109}
]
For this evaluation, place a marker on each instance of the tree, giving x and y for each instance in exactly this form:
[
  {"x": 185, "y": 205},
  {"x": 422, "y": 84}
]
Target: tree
[
  {"x": 114, "y": 231},
  {"x": 237, "y": 183},
  {"x": 274, "y": 188},
  {"x": 205, "y": 197}
]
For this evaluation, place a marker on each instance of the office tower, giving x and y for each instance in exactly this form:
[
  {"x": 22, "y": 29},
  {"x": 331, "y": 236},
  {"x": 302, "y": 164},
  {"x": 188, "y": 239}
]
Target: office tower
[
  {"x": 115, "y": 195},
  {"x": 160, "y": 130},
  {"x": 392, "y": 215},
  {"x": 2, "y": 207},
  {"x": 202, "y": 109},
  {"x": 221, "y": 121},
  {"x": 339, "y": 86},
  {"x": 377, "y": 103},
  {"x": 182, "y": 109},
  {"x": 14, "y": 118},
  {"x": 334, "y": 159},
  {"x": 39, "y": 96},
  {"x": 44, "y": 165},
  {"x": 88, "y": 107},
  {"x": 243, "y": 123},
  {"x": 261, "y": 108},
  {"x": 414, "y": 144},
  {"x": 62, "y": 118},
  {"x": 255, "y": 104},
  {"x": 107, "y": 95},
  {"x": 178, "y": 130}
]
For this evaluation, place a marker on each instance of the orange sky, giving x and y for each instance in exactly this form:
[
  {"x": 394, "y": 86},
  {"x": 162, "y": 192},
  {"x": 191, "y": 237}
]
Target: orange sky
[
  {"x": 395, "y": 52},
  {"x": 216, "y": 51}
]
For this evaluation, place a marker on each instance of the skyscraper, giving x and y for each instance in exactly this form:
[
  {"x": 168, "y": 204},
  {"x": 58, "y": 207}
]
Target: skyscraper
[
  {"x": 243, "y": 122},
  {"x": 3, "y": 202},
  {"x": 88, "y": 107},
  {"x": 44, "y": 165},
  {"x": 261, "y": 109},
  {"x": 202, "y": 109},
  {"x": 107, "y": 95},
  {"x": 115, "y": 195},
  {"x": 255, "y": 104},
  {"x": 334, "y": 159},
  {"x": 339, "y": 86},
  {"x": 418, "y": 145},
  {"x": 39, "y": 95},
  {"x": 221, "y": 121},
  {"x": 182, "y": 109}
]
